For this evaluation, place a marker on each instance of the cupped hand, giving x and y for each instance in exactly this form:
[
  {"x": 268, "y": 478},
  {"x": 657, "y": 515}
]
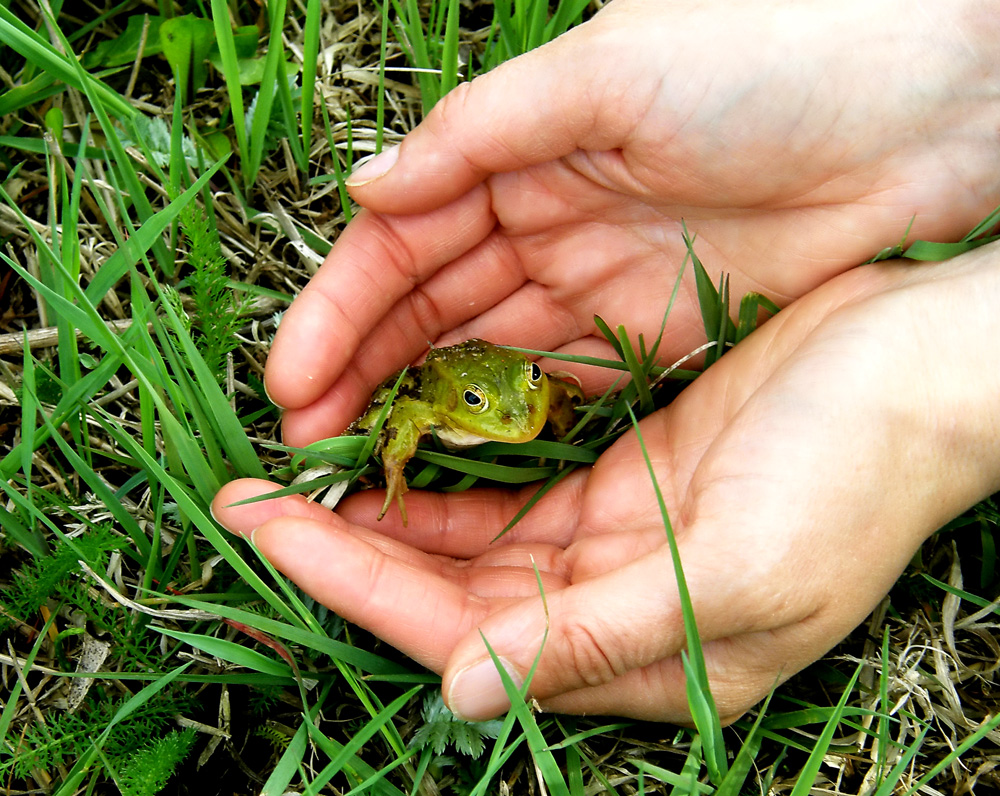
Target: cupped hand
[
  {"x": 795, "y": 140},
  {"x": 801, "y": 472}
]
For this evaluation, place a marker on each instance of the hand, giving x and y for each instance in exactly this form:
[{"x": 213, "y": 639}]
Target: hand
[
  {"x": 553, "y": 188},
  {"x": 801, "y": 472}
]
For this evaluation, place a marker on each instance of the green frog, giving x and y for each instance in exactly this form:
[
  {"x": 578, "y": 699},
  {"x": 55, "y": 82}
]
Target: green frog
[{"x": 465, "y": 394}]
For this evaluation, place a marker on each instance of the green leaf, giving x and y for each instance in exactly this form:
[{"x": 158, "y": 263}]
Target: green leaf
[
  {"x": 123, "y": 49},
  {"x": 640, "y": 377},
  {"x": 230, "y": 71},
  {"x": 442, "y": 728},
  {"x": 186, "y": 42}
]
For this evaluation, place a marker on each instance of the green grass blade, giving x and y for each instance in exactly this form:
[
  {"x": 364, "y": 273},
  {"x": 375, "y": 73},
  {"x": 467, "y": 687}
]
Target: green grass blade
[
  {"x": 540, "y": 449},
  {"x": 22, "y": 39},
  {"x": 344, "y": 755},
  {"x": 449, "y": 51},
  {"x": 981, "y": 732},
  {"x": 931, "y": 251},
  {"x": 214, "y": 406},
  {"x": 704, "y": 709},
  {"x": 538, "y": 12},
  {"x": 231, "y": 74},
  {"x": 310, "y": 60},
  {"x": 143, "y": 239},
  {"x": 268, "y": 88},
  {"x": 30, "y": 411},
  {"x": 100, "y": 489},
  {"x": 496, "y": 472},
  {"x": 682, "y": 783},
  {"x": 567, "y": 13},
  {"x": 734, "y": 782},
  {"x": 507, "y": 45},
  {"x": 610, "y": 336},
  {"x": 810, "y": 770},
  {"x": 367, "y": 662},
  {"x": 713, "y": 304},
  {"x": 288, "y": 764},
  {"x": 231, "y": 652},
  {"x": 380, "y": 99},
  {"x": 984, "y": 226},
  {"x": 68, "y": 404},
  {"x": 640, "y": 378},
  {"x": 530, "y": 503},
  {"x": 543, "y": 758}
]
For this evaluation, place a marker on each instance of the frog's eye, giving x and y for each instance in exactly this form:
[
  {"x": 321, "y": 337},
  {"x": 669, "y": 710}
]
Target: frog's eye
[
  {"x": 475, "y": 399},
  {"x": 534, "y": 374}
]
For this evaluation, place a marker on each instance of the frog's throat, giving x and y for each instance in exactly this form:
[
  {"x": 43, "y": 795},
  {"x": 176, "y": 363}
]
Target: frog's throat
[{"x": 456, "y": 438}]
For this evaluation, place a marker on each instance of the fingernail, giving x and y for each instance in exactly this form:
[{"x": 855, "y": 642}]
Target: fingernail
[
  {"x": 268, "y": 394},
  {"x": 374, "y": 168},
  {"x": 477, "y": 692}
]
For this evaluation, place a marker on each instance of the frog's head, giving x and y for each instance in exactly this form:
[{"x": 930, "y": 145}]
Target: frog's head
[{"x": 484, "y": 392}]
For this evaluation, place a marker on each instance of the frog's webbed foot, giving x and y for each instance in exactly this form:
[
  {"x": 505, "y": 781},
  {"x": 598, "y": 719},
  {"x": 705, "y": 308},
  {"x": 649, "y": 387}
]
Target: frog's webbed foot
[{"x": 395, "y": 487}]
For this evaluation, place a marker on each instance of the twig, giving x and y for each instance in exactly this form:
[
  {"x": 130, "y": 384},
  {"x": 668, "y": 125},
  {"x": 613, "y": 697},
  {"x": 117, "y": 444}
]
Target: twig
[{"x": 13, "y": 343}]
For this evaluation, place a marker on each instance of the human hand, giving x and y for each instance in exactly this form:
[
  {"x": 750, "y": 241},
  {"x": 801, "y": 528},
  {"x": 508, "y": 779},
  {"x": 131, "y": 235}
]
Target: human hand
[
  {"x": 801, "y": 472},
  {"x": 553, "y": 188}
]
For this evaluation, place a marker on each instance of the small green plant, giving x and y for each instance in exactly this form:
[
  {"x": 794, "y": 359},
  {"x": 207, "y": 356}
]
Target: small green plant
[
  {"x": 128, "y": 748},
  {"x": 217, "y": 311},
  {"x": 54, "y": 576},
  {"x": 145, "y": 772},
  {"x": 442, "y": 729}
]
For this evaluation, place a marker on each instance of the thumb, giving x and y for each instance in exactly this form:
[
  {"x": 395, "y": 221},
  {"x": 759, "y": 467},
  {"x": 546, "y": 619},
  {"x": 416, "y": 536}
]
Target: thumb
[
  {"x": 530, "y": 110},
  {"x": 588, "y": 635}
]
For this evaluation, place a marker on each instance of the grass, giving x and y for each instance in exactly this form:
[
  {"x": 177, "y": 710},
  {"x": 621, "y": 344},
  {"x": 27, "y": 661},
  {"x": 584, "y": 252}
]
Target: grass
[{"x": 145, "y": 194}]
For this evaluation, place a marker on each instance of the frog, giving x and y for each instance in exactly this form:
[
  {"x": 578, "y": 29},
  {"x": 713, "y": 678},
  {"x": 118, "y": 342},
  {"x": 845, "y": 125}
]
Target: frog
[{"x": 465, "y": 395}]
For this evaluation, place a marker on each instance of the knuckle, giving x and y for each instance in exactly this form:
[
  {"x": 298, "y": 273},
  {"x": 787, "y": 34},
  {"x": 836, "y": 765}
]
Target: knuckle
[
  {"x": 587, "y": 655},
  {"x": 424, "y": 313}
]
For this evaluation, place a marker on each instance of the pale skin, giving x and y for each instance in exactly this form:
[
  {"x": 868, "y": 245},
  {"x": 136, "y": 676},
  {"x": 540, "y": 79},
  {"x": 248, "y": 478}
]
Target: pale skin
[{"x": 801, "y": 472}]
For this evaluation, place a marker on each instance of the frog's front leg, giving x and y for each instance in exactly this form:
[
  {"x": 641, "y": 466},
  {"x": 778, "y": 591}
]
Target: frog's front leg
[
  {"x": 565, "y": 394},
  {"x": 410, "y": 420}
]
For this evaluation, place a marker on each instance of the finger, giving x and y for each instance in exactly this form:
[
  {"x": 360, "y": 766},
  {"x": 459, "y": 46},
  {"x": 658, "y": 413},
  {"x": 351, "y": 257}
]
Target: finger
[
  {"x": 418, "y": 603},
  {"x": 482, "y": 277},
  {"x": 601, "y": 645},
  {"x": 491, "y": 125},
  {"x": 465, "y": 525},
  {"x": 741, "y": 671},
  {"x": 403, "y": 602},
  {"x": 577, "y": 635},
  {"x": 242, "y": 518},
  {"x": 376, "y": 262}
]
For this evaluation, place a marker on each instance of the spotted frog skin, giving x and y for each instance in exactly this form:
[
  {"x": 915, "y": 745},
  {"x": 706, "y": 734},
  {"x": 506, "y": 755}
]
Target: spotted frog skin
[{"x": 465, "y": 394}]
